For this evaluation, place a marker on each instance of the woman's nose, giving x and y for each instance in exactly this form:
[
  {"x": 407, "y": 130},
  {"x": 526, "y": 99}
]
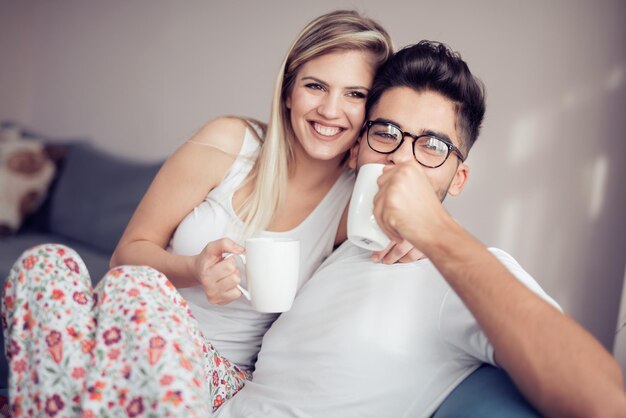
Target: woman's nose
[{"x": 330, "y": 107}]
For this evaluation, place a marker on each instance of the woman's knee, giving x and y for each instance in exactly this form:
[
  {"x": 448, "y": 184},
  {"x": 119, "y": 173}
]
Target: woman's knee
[
  {"x": 129, "y": 276},
  {"x": 51, "y": 255},
  {"x": 60, "y": 250}
]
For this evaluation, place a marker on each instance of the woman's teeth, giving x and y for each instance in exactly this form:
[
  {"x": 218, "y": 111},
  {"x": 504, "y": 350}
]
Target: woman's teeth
[{"x": 325, "y": 130}]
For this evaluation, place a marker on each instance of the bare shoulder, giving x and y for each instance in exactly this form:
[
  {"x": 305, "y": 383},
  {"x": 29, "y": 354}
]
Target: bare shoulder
[
  {"x": 223, "y": 134},
  {"x": 203, "y": 161}
]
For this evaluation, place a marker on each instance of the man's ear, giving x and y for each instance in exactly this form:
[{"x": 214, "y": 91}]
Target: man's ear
[
  {"x": 460, "y": 179},
  {"x": 354, "y": 154}
]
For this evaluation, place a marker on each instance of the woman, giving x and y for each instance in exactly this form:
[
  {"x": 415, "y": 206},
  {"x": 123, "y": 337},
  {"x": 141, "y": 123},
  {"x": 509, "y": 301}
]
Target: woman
[{"x": 137, "y": 348}]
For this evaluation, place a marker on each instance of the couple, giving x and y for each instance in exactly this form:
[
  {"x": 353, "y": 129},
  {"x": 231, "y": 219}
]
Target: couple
[
  {"x": 363, "y": 338},
  {"x": 366, "y": 339}
]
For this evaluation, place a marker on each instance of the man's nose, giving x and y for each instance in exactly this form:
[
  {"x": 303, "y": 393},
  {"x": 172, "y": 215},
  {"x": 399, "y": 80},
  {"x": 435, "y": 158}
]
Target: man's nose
[
  {"x": 402, "y": 154},
  {"x": 330, "y": 107}
]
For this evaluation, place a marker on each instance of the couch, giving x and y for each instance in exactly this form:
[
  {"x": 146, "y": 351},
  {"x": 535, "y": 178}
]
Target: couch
[{"x": 88, "y": 206}]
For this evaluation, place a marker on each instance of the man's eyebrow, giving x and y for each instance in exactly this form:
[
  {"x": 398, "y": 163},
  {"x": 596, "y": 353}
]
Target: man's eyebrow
[
  {"x": 430, "y": 132},
  {"x": 317, "y": 80},
  {"x": 385, "y": 120},
  {"x": 439, "y": 135}
]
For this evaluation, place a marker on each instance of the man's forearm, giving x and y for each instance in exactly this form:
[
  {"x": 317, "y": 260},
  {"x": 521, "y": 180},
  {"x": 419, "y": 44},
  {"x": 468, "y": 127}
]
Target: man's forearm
[{"x": 559, "y": 366}]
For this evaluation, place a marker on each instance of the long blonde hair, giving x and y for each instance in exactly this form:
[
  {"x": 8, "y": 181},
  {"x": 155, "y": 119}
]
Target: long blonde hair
[{"x": 334, "y": 31}]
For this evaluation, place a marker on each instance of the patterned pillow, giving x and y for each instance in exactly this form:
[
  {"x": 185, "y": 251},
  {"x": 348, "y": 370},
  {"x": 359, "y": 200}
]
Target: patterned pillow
[{"x": 26, "y": 171}]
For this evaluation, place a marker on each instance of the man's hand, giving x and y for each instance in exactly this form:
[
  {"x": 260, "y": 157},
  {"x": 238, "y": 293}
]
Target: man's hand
[
  {"x": 406, "y": 206},
  {"x": 397, "y": 252}
]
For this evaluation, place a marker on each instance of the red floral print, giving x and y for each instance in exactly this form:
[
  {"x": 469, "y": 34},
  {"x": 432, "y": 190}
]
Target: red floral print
[
  {"x": 80, "y": 298},
  {"x": 8, "y": 301},
  {"x": 57, "y": 294},
  {"x": 71, "y": 264},
  {"x": 53, "y": 405},
  {"x": 135, "y": 407},
  {"x": 19, "y": 366},
  {"x": 114, "y": 354},
  {"x": 218, "y": 401},
  {"x": 126, "y": 371},
  {"x": 73, "y": 333},
  {"x": 87, "y": 346},
  {"x": 16, "y": 407},
  {"x": 29, "y": 262},
  {"x": 117, "y": 272},
  {"x": 53, "y": 338},
  {"x": 112, "y": 335},
  {"x": 13, "y": 349},
  {"x": 186, "y": 364},
  {"x": 157, "y": 342},
  {"x": 27, "y": 319},
  {"x": 139, "y": 317},
  {"x": 78, "y": 373},
  {"x": 166, "y": 380},
  {"x": 191, "y": 374},
  {"x": 156, "y": 349},
  {"x": 173, "y": 396},
  {"x": 55, "y": 345}
]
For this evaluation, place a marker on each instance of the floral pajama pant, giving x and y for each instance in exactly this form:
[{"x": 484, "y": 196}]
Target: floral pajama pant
[{"x": 129, "y": 347}]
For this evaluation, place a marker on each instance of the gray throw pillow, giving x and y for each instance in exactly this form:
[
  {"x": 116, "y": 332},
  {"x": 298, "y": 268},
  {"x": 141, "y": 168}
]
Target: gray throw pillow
[{"x": 96, "y": 195}]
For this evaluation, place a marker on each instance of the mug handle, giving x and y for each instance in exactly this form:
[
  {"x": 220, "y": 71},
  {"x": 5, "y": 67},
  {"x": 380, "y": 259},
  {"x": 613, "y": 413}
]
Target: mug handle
[{"x": 243, "y": 291}]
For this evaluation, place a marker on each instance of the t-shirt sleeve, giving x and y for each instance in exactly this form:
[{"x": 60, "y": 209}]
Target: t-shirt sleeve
[{"x": 459, "y": 328}]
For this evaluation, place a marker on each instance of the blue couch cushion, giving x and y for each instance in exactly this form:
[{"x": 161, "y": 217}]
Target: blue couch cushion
[
  {"x": 96, "y": 196},
  {"x": 487, "y": 393}
]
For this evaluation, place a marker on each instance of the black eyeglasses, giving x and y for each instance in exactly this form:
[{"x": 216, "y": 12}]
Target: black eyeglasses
[{"x": 429, "y": 150}]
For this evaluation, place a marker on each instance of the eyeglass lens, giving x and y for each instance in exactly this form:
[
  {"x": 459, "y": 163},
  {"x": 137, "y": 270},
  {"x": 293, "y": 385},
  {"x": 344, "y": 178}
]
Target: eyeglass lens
[{"x": 386, "y": 138}]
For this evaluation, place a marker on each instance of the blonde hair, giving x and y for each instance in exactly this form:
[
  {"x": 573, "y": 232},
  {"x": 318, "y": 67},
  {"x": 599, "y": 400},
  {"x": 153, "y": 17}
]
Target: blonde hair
[{"x": 340, "y": 30}]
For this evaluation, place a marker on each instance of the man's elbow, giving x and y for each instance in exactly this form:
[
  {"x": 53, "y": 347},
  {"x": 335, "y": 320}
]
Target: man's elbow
[
  {"x": 608, "y": 400},
  {"x": 612, "y": 405}
]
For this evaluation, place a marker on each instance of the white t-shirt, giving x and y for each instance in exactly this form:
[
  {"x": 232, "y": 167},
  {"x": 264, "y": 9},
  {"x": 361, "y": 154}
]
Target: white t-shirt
[
  {"x": 236, "y": 329},
  {"x": 367, "y": 340}
]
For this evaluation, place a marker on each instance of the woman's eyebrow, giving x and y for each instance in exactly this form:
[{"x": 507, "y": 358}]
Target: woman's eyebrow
[{"x": 317, "y": 80}]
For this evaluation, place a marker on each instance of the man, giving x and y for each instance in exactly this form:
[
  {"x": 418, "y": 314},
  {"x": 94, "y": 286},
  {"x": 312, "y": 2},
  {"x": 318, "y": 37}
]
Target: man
[{"x": 365, "y": 339}]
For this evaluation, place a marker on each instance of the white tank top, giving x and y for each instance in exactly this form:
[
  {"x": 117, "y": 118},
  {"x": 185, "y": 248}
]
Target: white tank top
[{"x": 236, "y": 329}]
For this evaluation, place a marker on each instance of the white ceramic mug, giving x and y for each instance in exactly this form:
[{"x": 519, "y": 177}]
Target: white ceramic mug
[
  {"x": 272, "y": 270},
  {"x": 363, "y": 230}
]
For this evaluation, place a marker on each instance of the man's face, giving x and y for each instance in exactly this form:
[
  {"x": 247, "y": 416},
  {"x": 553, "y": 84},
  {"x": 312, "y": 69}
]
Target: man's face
[{"x": 417, "y": 113}]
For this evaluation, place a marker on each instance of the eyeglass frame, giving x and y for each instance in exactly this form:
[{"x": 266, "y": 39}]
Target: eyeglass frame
[{"x": 451, "y": 148}]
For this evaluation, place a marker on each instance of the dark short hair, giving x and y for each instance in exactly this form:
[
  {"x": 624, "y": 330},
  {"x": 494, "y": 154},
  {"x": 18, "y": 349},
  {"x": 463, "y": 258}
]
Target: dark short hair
[{"x": 433, "y": 66}]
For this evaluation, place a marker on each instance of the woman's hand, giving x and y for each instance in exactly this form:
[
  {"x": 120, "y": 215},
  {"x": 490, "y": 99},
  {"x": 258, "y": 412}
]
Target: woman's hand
[
  {"x": 397, "y": 252},
  {"x": 218, "y": 275}
]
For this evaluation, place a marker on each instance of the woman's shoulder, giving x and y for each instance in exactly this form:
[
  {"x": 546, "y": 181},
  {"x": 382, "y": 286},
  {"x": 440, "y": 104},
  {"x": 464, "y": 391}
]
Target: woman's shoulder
[{"x": 226, "y": 133}]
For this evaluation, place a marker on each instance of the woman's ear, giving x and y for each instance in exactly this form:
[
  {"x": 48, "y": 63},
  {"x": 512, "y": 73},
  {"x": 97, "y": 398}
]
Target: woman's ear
[{"x": 460, "y": 179}]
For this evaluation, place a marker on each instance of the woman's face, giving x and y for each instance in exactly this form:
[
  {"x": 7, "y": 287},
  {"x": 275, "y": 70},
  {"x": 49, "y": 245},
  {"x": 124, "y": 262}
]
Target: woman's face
[{"x": 327, "y": 103}]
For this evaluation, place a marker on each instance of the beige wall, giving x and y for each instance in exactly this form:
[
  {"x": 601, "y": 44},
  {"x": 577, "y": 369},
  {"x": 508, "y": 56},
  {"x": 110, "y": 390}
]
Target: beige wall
[{"x": 138, "y": 77}]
